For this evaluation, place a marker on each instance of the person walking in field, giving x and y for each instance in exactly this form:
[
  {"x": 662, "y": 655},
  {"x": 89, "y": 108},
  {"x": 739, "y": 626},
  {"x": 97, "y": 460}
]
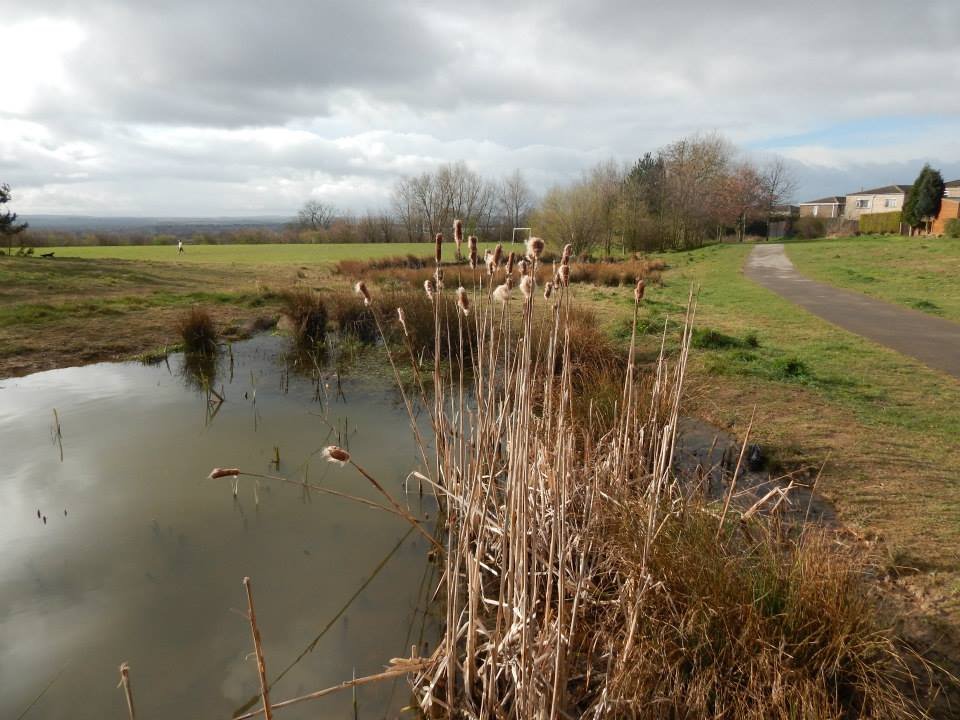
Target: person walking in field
[{"x": 180, "y": 247}]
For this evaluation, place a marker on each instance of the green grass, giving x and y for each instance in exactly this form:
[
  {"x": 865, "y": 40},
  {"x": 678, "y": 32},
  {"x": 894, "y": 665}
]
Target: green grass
[
  {"x": 258, "y": 254},
  {"x": 888, "y": 423},
  {"x": 921, "y": 273}
]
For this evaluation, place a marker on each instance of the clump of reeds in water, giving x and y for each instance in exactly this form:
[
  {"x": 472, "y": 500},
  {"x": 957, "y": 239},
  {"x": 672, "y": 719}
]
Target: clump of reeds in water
[
  {"x": 198, "y": 331},
  {"x": 582, "y": 579},
  {"x": 307, "y": 313}
]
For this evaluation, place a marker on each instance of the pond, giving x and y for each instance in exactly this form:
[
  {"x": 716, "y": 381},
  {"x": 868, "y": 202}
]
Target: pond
[{"x": 137, "y": 557}]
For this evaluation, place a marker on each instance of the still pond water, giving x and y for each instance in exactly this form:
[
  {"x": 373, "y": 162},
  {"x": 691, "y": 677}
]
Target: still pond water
[{"x": 141, "y": 557}]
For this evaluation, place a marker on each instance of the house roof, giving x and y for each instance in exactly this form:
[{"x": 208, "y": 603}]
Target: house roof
[
  {"x": 885, "y": 190},
  {"x": 952, "y": 184},
  {"x": 832, "y": 200}
]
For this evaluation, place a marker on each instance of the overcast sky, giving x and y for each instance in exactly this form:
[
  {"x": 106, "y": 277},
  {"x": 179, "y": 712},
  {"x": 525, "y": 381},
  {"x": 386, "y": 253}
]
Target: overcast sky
[{"x": 231, "y": 107}]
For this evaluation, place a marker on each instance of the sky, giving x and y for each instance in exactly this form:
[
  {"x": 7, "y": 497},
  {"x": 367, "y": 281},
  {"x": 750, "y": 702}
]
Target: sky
[{"x": 239, "y": 108}]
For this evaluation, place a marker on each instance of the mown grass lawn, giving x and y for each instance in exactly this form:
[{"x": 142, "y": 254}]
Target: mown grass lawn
[
  {"x": 917, "y": 272},
  {"x": 885, "y": 425}
]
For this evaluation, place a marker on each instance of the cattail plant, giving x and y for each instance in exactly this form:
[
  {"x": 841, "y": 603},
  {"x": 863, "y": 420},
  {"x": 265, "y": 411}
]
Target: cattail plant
[
  {"x": 497, "y": 255},
  {"x": 535, "y": 247},
  {"x": 490, "y": 262},
  {"x": 526, "y": 286},
  {"x": 438, "y": 278},
  {"x": 402, "y": 317},
  {"x": 501, "y": 293},
  {"x": 547, "y": 290},
  {"x": 361, "y": 289},
  {"x": 638, "y": 291},
  {"x": 463, "y": 301},
  {"x": 438, "y": 248},
  {"x": 472, "y": 246},
  {"x": 511, "y": 259},
  {"x": 458, "y": 235},
  {"x": 430, "y": 287}
]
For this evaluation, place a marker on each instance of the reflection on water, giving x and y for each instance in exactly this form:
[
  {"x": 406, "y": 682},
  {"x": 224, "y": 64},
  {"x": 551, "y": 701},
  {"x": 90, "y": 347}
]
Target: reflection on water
[{"x": 141, "y": 557}]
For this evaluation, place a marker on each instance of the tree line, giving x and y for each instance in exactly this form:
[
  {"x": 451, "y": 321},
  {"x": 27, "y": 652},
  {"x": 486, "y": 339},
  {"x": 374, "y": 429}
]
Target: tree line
[{"x": 684, "y": 194}]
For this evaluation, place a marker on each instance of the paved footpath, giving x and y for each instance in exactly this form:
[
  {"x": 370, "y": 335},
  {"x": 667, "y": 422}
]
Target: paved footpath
[{"x": 931, "y": 340}]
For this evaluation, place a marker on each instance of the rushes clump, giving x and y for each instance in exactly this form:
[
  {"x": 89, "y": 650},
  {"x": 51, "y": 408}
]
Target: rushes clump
[
  {"x": 198, "y": 331},
  {"x": 307, "y": 313}
]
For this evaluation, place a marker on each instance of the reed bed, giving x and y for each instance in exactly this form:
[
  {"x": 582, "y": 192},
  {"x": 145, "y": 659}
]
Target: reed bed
[
  {"x": 412, "y": 272},
  {"x": 580, "y": 578}
]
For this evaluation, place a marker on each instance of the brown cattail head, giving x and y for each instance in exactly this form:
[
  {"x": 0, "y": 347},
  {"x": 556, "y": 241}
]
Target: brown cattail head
[
  {"x": 438, "y": 276},
  {"x": 491, "y": 264},
  {"x": 524, "y": 265},
  {"x": 547, "y": 290},
  {"x": 502, "y": 292},
  {"x": 511, "y": 259},
  {"x": 438, "y": 247},
  {"x": 567, "y": 252},
  {"x": 463, "y": 301},
  {"x": 402, "y": 317},
  {"x": 361, "y": 289},
  {"x": 223, "y": 472},
  {"x": 497, "y": 255},
  {"x": 458, "y": 232},
  {"x": 430, "y": 287},
  {"x": 564, "y": 275},
  {"x": 638, "y": 291},
  {"x": 526, "y": 286},
  {"x": 472, "y": 247},
  {"x": 534, "y": 247},
  {"x": 336, "y": 454}
]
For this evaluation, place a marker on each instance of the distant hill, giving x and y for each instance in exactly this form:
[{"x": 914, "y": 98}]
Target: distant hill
[{"x": 152, "y": 225}]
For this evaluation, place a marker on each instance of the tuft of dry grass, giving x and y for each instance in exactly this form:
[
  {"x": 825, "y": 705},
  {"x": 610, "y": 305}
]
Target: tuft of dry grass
[
  {"x": 198, "y": 331},
  {"x": 307, "y": 313}
]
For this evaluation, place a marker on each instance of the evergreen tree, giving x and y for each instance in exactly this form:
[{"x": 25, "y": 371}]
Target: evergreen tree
[
  {"x": 8, "y": 220},
  {"x": 923, "y": 200}
]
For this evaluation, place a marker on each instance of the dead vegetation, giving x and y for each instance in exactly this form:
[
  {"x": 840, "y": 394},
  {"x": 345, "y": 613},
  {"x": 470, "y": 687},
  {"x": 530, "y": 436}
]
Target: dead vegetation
[
  {"x": 582, "y": 579},
  {"x": 198, "y": 331}
]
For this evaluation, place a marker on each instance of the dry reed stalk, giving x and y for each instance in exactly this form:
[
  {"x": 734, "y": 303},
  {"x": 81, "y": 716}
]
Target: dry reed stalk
[
  {"x": 258, "y": 649},
  {"x": 127, "y": 689}
]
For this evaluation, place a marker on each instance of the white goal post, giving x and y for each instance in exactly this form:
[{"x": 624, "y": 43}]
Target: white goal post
[{"x": 526, "y": 230}]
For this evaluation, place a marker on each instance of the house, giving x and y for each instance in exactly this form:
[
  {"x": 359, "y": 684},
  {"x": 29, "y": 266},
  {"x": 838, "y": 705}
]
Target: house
[
  {"x": 949, "y": 208},
  {"x": 828, "y": 207},
  {"x": 879, "y": 200}
]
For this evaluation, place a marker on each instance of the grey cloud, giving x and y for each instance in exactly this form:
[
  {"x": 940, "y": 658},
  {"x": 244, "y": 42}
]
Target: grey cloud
[{"x": 164, "y": 92}]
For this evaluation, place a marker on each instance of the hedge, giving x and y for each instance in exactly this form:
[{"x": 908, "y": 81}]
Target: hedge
[
  {"x": 877, "y": 223},
  {"x": 953, "y": 228}
]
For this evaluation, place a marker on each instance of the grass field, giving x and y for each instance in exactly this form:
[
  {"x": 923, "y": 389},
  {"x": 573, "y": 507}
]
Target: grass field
[
  {"x": 920, "y": 273},
  {"x": 252, "y": 254},
  {"x": 886, "y": 425}
]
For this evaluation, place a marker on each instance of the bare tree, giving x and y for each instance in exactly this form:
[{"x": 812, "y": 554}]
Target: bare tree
[
  {"x": 515, "y": 199},
  {"x": 316, "y": 215},
  {"x": 430, "y": 202}
]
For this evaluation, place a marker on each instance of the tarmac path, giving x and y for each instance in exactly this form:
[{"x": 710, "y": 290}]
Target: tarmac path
[{"x": 931, "y": 340}]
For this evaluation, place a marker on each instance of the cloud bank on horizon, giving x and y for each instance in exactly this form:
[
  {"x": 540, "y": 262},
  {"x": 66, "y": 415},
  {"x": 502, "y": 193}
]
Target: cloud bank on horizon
[{"x": 116, "y": 107}]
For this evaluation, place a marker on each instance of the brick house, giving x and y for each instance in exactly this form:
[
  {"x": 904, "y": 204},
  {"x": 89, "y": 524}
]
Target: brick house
[
  {"x": 879, "y": 200},
  {"x": 828, "y": 207},
  {"x": 949, "y": 208}
]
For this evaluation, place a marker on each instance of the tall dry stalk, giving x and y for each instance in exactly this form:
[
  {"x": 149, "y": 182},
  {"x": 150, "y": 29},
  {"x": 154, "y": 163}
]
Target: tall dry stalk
[{"x": 541, "y": 619}]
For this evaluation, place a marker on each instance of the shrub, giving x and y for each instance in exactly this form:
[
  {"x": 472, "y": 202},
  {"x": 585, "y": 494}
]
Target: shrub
[
  {"x": 809, "y": 228},
  {"x": 952, "y": 229},
  {"x": 308, "y": 315},
  {"x": 879, "y": 223},
  {"x": 198, "y": 331}
]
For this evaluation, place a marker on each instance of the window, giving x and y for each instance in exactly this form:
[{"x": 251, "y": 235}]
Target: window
[
  {"x": 863, "y": 203},
  {"x": 890, "y": 202}
]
